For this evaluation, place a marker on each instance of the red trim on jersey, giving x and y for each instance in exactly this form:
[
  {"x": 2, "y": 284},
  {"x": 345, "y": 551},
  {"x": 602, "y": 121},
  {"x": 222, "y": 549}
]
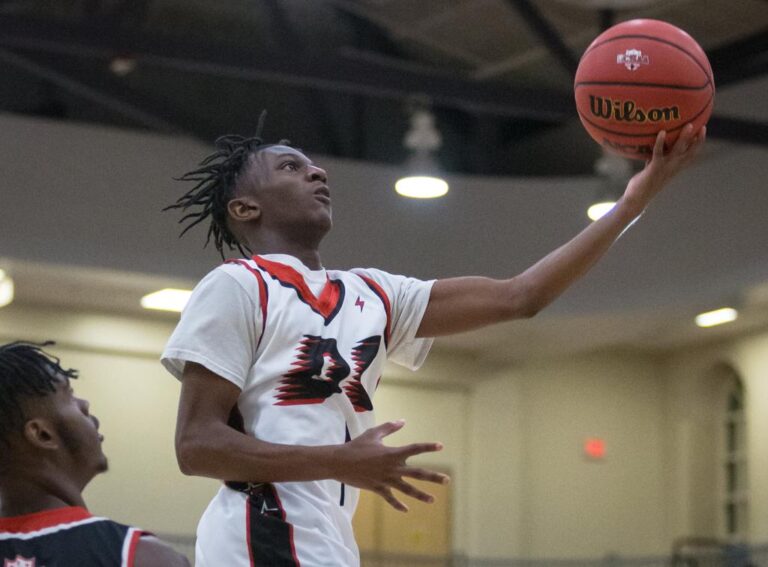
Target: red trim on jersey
[
  {"x": 45, "y": 519},
  {"x": 135, "y": 537},
  {"x": 378, "y": 290},
  {"x": 290, "y": 525},
  {"x": 248, "y": 530},
  {"x": 263, "y": 294},
  {"x": 326, "y": 305}
]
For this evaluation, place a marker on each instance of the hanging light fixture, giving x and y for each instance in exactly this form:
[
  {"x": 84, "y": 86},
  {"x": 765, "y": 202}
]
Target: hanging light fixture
[
  {"x": 613, "y": 173},
  {"x": 422, "y": 139}
]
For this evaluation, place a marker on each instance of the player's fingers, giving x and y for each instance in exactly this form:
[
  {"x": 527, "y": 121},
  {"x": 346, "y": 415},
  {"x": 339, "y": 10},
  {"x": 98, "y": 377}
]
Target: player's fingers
[
  {"x": 426, "y": 475},
  {"x": 413, "y": 492},
  {"x": 390, "y": 498},
  {"x": 387, "y": 428},
  {"x": 658, "y": 146},
  {"x": 418, "y": 448},
  {"x": 700, "y": 137},
  {"x": 684, "y": 140}
]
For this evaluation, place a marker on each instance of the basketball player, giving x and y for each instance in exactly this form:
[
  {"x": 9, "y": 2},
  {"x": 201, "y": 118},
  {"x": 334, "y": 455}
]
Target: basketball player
[
  {"x": 279, "y": 358},
  {"x": 51, "y": 449}
]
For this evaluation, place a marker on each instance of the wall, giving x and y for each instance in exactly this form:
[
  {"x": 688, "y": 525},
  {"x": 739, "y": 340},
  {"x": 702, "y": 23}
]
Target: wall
[
  {"x": 687, "y": 372},
  {"x": 535, "y": 494}
]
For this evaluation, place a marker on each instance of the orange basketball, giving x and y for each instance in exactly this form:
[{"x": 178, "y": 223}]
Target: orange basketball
[{"x": 638, "y": 78}]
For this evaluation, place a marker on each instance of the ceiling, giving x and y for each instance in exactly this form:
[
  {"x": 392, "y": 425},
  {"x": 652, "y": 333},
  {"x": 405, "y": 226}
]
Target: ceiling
[{"x": 338, "y": 78}]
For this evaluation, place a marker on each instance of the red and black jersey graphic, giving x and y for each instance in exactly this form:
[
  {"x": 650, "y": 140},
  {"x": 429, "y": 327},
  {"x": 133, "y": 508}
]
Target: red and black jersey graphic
[
  {"x": 319, "y": 369},
  {"x": 331, "y": 298},
  {"x": 362, "y": 357}
]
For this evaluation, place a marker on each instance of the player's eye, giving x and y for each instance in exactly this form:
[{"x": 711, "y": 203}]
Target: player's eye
[{"x": 290, "y": 166}]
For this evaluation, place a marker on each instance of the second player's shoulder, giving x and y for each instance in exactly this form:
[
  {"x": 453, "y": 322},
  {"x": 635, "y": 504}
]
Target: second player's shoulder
[{"x": 152, "y": 552}]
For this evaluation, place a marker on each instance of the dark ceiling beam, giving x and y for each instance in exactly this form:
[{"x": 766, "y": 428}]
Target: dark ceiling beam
[
  {"x": 547, "y": 32},
  {"x": 738, "y": 130},
  {"x": 740, "y": 60},
  {"x": 79, "y": 89},
  {"x": 607, "y": 19},
  {"x": 333, "y": 73},
  {"x": 318, "y": 106}
]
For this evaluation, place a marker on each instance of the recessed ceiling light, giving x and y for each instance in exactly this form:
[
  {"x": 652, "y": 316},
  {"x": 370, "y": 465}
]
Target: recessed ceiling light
[
  {"x": 716, "y": 317},
  {"x": 167, "y": 299},
  {"x": 6, "y": 289}
]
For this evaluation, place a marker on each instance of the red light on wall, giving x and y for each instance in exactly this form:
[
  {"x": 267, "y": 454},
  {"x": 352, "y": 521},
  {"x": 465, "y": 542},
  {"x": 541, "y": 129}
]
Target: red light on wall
[{"x": 594, "y": 448}]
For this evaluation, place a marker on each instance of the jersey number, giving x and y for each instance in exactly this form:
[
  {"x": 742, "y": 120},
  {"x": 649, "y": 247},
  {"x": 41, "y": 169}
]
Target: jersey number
[{"x": 319, "y": 371}]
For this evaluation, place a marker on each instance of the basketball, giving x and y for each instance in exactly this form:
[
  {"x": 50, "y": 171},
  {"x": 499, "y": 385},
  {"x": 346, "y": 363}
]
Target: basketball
[{"x": 640, "y": 77}]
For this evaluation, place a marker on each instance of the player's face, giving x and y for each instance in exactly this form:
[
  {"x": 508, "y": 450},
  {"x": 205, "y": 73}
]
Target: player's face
[
  {"x": 78, "y": 431},
  {"x": 291, "y": 190}
]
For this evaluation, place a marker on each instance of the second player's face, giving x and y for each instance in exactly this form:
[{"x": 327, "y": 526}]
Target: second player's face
[
  {"x": 291, "y": 190},
  {"x": 78, "y": 432}
]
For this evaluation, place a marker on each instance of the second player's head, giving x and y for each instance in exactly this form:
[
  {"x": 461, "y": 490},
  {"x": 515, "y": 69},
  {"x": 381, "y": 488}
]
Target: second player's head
[
  {"x": 46, "y": 431},
  {"x": 252, "y": 192}
]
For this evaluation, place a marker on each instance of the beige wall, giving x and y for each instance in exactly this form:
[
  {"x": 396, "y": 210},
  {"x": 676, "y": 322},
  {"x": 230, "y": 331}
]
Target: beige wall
[
  {"x": 692, "y": 427},
  {"x": 535, "y": 494},
  {"x": 513, "y": 438}
]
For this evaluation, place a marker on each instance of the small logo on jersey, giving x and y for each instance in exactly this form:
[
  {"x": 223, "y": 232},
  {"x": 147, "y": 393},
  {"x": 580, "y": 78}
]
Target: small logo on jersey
[
  {"x": 20, "y": 562},
  {"x": 360, "y": 303},
  {"x": 632, "y": 59}
]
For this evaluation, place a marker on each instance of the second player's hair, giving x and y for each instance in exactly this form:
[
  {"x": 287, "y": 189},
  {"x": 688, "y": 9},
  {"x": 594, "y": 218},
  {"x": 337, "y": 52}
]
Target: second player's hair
[
  {"x": 215, "y": 182},
  {"x": 26, "y": 371}
]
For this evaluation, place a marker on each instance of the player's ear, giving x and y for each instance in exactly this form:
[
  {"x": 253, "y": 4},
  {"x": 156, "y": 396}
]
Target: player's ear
[
  {"x": 41, "y": 434},
  {"x": 243, "y": 209}
]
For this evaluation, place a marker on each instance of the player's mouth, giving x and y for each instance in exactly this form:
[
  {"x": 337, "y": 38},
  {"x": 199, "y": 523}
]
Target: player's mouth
[{"x": 323, "y": 194}]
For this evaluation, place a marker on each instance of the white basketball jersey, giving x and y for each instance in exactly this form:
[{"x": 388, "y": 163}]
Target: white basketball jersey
[{"x": 307, "y": 349}]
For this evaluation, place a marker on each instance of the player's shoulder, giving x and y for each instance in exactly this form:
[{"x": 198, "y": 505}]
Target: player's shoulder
[
  {"x": 371, "y": 273},
  {"x": 242, "y": 270},
  {"x": 153, "y": 552}
]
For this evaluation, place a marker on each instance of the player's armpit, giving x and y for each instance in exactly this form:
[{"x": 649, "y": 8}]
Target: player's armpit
[
  {"x": 205, "y": 405},
  {"x": 151, "y": 552}
]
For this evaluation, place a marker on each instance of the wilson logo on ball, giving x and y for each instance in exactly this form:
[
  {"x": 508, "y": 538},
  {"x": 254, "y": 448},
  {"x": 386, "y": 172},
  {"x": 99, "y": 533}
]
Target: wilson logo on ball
[
  {"x": 632, "y": 59},
  {"x": 628, "y": 111}
]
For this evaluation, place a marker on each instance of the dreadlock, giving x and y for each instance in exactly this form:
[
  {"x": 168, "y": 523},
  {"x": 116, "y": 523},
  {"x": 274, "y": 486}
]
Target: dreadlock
[
  {"x": 215, "y": 182},
  {"x": 26, "y": 371}
]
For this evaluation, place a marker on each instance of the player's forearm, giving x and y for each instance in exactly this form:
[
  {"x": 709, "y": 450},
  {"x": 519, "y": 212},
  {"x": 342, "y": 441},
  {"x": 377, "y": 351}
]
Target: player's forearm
[{"x": 223, "y": 453}]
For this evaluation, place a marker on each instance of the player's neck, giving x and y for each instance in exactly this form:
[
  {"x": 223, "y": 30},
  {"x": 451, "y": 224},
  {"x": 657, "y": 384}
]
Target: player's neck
[
  {"x": 307, "y": 252},
  {"x": 20, "y": 495}
]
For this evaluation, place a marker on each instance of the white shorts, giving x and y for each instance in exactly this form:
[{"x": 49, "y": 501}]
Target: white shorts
[{"x": 241, "y": 530}]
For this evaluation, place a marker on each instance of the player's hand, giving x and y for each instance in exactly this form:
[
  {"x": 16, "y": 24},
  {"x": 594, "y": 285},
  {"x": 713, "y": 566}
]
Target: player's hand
[
  {"x": 365, "y": 462},
  {"x": 663, "y": 166}
]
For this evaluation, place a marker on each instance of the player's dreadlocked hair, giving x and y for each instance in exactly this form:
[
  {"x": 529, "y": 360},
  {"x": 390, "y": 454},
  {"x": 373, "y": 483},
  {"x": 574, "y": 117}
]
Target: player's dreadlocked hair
[
  {"x": 26, "y": 371},
  {"x": 215, "y": 182}
]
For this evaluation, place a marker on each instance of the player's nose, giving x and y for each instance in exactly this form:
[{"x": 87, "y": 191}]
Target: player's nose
[{"x": 317, "y": 174}]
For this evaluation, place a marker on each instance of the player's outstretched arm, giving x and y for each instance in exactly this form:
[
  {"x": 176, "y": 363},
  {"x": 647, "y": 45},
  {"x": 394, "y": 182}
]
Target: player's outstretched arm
[
  {"x": 151, "y": 552},
  {"x": 207, "y": 446},
  {"x": 463, "y": 304}
]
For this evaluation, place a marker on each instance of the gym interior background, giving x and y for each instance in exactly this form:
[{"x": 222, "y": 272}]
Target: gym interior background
[{"x": 607, "y": 430}]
